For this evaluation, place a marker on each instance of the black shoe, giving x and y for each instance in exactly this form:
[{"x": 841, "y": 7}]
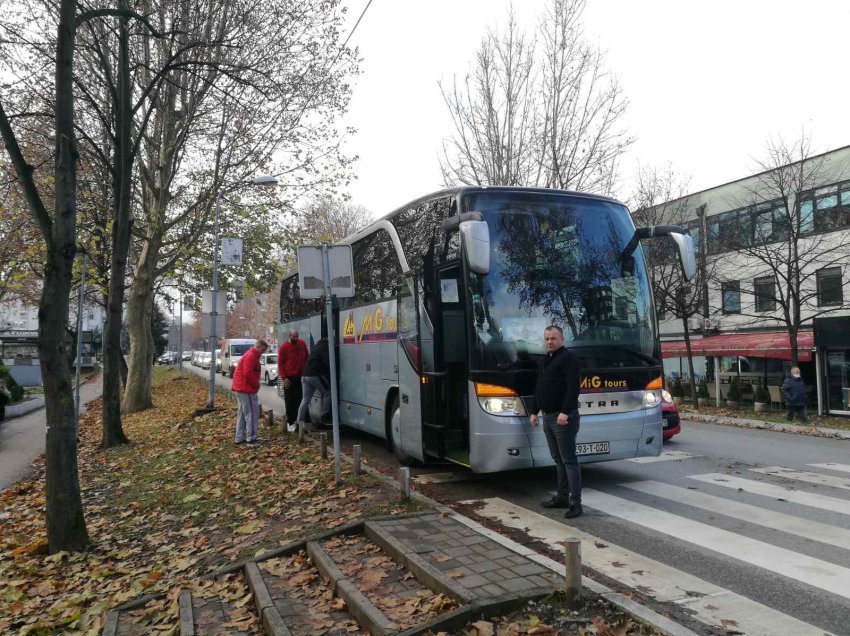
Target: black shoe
[
  {"x": 555, "y": 502},
  {"x": 574, "y": 510}
]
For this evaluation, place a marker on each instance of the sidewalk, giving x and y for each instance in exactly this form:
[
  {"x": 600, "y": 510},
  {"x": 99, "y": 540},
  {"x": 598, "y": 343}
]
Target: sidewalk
[
  {"x": 723, "y": 420},
  {"x": 22, "y": 438}
]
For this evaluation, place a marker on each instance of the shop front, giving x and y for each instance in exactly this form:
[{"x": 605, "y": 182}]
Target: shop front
[{"x": 832, "y": 340}]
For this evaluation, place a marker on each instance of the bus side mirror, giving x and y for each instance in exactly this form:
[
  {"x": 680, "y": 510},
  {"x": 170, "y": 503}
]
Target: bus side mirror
[
  {"x": 476, "y": 243},
  {"x": 687, "y": 255}
]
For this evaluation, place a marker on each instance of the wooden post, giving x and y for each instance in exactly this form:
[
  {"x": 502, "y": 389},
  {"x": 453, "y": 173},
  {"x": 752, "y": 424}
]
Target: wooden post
[
  {"x": 271, "y": 419},
  {"x": 302, "y": 426},
  {"x": 572, "y": 561},
  {"x": 323, "y": 439},
  {"x": 404, "y": 478},
  {"x": 357, "y": 468}
]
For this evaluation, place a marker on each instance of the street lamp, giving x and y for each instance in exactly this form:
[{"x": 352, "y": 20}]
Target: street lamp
[{"x": 259, "y": 180}]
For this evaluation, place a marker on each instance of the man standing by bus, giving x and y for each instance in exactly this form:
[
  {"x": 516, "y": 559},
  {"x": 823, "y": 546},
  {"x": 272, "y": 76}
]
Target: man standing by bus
[
  {"x": 556, "y": 403},
  {"x": 246, "y": 384},
  {"x": 291, "y": 358}
]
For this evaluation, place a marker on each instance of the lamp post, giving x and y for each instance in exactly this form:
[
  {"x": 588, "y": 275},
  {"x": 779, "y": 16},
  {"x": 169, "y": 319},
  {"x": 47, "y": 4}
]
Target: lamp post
[{"x": 259, "y": 180}]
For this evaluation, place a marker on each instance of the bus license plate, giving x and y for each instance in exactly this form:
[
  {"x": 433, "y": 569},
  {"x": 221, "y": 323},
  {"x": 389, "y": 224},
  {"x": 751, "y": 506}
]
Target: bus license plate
[{"x": 596, "y": 448}]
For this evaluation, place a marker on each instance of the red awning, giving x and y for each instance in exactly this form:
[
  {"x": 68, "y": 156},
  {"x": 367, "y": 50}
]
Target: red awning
[{"x": 758, "y": 345}]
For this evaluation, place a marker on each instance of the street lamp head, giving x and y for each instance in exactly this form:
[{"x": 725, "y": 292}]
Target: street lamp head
[{"x": 265, "y": 180}]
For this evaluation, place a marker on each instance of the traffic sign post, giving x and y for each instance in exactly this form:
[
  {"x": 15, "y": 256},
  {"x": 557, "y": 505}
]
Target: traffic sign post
[{"x": 331, "y": 265}]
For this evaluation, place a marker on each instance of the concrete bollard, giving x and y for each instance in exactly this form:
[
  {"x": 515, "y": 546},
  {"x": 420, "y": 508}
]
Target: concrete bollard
[
  {"x": 302, "y": 431},
  {"x": 323, "y": 440},
  {"x": 572, "y": 561},
  {"x": 404, "y": 479},
  {"x": 357, "y": 469}
]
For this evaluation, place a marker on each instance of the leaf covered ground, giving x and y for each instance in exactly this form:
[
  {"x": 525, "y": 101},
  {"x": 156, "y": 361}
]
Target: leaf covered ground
[
  {"x": 176, "y": 504},
  {"x": 776, "y": 417}
]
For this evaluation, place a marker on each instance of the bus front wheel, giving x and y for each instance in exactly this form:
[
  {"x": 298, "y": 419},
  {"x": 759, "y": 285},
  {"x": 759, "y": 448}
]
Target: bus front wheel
[{"x": 395, "y": 435}]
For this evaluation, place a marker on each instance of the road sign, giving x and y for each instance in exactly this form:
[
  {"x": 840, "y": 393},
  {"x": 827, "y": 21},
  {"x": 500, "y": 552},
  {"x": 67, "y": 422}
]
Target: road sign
[
  {"x": 311, "y": 271},
  {"x": 231, "y": 251},
  {"x": 220, "y": 302}
]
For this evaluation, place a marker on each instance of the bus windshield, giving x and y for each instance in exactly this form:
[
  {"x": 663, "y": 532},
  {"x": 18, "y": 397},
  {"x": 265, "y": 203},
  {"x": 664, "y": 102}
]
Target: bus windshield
[
  {"x": 558, "y": 259},
  {"x": 239, "y": 349}
]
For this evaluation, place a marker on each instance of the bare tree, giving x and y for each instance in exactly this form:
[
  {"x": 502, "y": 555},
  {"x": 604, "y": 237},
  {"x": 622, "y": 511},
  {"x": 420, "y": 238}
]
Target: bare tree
[
  {"x": 545, "y": 115},
  {"x": 328, "y": 219},
  {"x": 785, "y": 231},
  {"x": 660, "y": 198}
]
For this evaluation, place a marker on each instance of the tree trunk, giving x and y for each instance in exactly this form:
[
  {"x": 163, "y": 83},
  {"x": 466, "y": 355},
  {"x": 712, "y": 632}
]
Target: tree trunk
[
  {"x": 66, "y": 526},
  {"x": 692, "y": 382},
  {"x": 113, "y": 432},
  {"x": 137, "y": 397}
]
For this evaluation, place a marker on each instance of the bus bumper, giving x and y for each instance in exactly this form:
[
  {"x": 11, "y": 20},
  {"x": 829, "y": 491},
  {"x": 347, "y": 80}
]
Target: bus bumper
[{"x": 511, "y": 443}]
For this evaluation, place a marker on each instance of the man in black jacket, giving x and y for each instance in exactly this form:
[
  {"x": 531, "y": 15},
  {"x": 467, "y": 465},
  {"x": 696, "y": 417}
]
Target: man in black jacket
[
  {"x": 794, "y": 392},
  {"x": 556, "y": 401},
  {"x": 316, "y": 377}
]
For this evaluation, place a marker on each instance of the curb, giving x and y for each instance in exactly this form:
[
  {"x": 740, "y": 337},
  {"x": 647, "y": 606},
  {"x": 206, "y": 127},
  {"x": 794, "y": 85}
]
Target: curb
[
  {"x": 737, "y": 422},
  {"x": 16, "y": 410},
  {"x": 645, "y": 614}
]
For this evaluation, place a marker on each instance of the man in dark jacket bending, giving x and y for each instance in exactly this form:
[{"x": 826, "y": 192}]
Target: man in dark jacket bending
[
  {"x": 794, "y": 392},
  {"x": 556, "y": 401}
]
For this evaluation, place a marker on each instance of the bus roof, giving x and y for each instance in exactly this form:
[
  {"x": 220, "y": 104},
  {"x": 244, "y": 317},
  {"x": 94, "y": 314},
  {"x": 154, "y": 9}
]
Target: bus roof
[{"x": 458, "y": 191}]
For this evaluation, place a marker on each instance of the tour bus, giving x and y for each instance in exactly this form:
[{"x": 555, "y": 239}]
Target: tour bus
[{"x": 438, "y": 349}]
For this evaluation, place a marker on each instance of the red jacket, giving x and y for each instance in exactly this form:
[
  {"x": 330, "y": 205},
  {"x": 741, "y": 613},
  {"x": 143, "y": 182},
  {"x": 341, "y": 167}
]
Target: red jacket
[
  {"x": 246, "y": 377},
  {"x": 291, "y": 358}
]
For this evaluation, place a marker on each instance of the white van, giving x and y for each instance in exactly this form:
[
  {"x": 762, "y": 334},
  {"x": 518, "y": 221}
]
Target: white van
[{"x": 231, "y": 350}]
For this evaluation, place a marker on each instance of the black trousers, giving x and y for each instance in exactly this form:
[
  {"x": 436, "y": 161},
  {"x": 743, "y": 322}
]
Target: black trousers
[
  {"x": 562, "y": 447},
  {"x": 799, "y": 409},
  {"x": 292, "y": 398}
]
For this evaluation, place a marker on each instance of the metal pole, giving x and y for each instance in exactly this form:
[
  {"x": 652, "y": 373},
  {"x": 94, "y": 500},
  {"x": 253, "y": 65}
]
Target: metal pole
[
  {"x": 80, "y": 337},
  {"x": 572, "y": 561},
  {"x": 180, "y": 335},
  {"x": 214, "y": 313},
  {"x": 332, "y": 360},
  {"x": 818, "y": 380},
  {"x": 717, "y": 379},
  {"x": 404, "y": 479}
]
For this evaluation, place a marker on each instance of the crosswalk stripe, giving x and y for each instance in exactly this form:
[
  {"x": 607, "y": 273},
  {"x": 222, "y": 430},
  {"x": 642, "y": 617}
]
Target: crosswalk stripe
[
  {"x": 802, "y": 475},
  {"x": 798, "y": 567},
  {"x": 709, "y": 603},
  {"x": 814, "y": 530},
  {"x": 665, "y": 456},
  {"x": 813, "y": 500},
  {"x": 844, "y": 468}
]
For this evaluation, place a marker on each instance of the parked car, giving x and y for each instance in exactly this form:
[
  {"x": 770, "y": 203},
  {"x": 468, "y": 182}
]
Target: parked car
[
  {"x": 196, "y": 358},
  {"x": 233, "y": 349},
  {"x": 268, "y": 368},
  {"x": 169, "y": 357},
  {"x": 205, "y": 359},
  {"x": 670, "y": 414},
  {"x": 187, "y": 355}
]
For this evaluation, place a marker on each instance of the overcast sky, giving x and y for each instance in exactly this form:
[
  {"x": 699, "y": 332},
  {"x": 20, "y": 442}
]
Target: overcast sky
[{"x": 707, "y": 82}]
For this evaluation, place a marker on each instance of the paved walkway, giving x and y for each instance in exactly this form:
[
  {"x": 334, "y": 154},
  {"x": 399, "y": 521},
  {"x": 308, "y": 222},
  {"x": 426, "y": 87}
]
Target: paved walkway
[
  {"x": 22, "y": 438},
  {"x": 817, "y": 431}
]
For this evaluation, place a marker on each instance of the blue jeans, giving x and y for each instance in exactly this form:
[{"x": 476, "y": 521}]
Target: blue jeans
[
  {"x": 309, "y": 385},
  {"x": 562, "y": 447}
]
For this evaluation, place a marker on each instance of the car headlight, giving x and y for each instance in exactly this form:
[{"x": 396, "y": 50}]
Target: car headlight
[
  {"x": 651, "y": 399},
  {"x": 499, "y": 400},
  {"x": 665, "y": 395}
]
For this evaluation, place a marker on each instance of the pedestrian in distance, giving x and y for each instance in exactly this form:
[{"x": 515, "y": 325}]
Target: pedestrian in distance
[
  {"x": 245, "y": 385},
  {"x": 556, "y": 405},
  {"x": 794, "y": 391},
  {"x": 316, "y": 377},
  {"x": 291, "y": 359}
]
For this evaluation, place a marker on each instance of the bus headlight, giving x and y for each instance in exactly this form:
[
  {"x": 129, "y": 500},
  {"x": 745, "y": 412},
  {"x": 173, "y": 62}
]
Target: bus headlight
[
  {"x": 651, "y": 399},
  {"x": 499, "y": 400}
]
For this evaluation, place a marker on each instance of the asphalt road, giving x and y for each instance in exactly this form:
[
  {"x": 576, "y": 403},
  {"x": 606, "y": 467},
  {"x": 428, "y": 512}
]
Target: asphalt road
[{"x": 752, "y": 527}]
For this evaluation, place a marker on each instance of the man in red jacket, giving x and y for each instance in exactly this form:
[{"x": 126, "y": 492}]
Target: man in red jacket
[
  {"x": 246, "y": 383},
  {"x": 291, "y": 358}
]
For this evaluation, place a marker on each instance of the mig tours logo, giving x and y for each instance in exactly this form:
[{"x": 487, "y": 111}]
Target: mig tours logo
[
  {"x": 376, "y": 323},
  {"x": 597, "y": 384}
]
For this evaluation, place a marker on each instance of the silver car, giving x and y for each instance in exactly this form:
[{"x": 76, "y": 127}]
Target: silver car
[{"x": 268, "y": 368}]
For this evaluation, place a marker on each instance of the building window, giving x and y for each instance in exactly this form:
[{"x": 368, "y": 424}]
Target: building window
[
  {"x": 826, "y": 209},
  {"x": 830, "y": 287},
  {"x": 765, "y": 293},
  {"x": 731, "y": 294}
]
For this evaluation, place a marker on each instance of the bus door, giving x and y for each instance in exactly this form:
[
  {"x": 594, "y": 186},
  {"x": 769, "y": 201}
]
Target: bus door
[
  {"x": 409, "y": 436},
  {"x": 451, "y": 362}
]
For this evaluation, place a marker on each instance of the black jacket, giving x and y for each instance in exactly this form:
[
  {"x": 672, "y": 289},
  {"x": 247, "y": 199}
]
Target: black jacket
[
  {"x": 318, "y": 364},
  {"x": 794, "y": 391},
  {"x": 558, "y": 383}
]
